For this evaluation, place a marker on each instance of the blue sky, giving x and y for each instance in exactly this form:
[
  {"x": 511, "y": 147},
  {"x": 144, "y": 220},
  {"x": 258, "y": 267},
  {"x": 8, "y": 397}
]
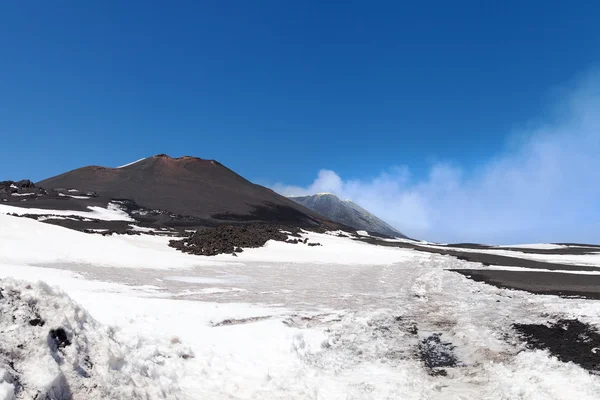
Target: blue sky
[{"x": 279, "y": 91}]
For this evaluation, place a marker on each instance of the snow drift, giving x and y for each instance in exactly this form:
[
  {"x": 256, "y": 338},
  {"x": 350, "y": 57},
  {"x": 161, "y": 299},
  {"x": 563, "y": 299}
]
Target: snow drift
[{"x": 51, "y": 348}]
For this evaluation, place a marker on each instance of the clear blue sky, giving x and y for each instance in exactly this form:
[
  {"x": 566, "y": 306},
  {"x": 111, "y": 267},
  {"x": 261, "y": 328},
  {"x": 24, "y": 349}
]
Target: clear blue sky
[{"x": 278, "y": 89}]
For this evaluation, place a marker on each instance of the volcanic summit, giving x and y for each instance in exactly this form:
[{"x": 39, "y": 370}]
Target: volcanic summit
[{"x": 188, "y": 186}]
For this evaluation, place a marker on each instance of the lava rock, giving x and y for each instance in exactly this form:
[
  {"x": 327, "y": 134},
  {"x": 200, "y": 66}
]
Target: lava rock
[
  {"x": 437, "y": 354},
  {"x": 224, "y": 238},
  {"x": 37, "y": 322},
  {"x": 59, "y": 337}
]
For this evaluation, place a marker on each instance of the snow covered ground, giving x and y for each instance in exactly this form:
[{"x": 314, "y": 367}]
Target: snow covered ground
[
  {"x": 111, "y": 213},
  {"x": 592, "y": 258},
  {"x": 346, "y": 320}
]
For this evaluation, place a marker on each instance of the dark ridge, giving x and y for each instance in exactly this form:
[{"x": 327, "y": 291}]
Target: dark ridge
[
  {"x": 549, "y": 283},
  {"x": 569, "y": 340},
  {"x": 468, "y": 246}
]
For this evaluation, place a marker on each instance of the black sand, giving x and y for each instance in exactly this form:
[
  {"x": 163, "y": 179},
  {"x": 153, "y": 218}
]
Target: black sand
[
  {"x": 569, "y": 340},
  {"x": 554, "y": 283}
]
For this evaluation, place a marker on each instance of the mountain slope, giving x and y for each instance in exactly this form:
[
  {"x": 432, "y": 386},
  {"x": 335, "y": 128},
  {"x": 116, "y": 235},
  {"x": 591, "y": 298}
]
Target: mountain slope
[
  {"x": 347, "y": 213},
  {"x": 188, "y": 186}
]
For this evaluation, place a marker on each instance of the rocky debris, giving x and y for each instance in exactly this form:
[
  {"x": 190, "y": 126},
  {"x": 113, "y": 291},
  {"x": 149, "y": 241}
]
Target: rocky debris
[
  {"x": 24, "y": 184},
  {"x": 314, "y": 244},
  {"x": 163, "y": 217},
  {"x": 569, "y": 340},
  {"x": 12, "y": 186},
  {"x": 20, "y": 190},
  {"x": 110, "y": 232},
  {"x": 36, "y": 322},
  {"x": 229, "y": 238},
  {"x": 59, "y": 337},
  {"x": 54, "y": 216},
  {"x": 227, "y": 322},
  {"x": 437, "y": 355}
]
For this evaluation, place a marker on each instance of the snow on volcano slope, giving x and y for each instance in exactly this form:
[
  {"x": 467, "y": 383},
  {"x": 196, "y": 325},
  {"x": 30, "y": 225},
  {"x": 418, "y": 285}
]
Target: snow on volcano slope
[
  {"x": 111, "y": 213},
  {"x": 26, "y": 241},
  {"x": 343, "y": 321}
]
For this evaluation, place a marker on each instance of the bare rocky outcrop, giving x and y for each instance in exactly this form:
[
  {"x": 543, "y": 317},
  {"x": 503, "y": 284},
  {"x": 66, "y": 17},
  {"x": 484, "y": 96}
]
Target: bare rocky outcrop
[{"x": 231, "y": 239}]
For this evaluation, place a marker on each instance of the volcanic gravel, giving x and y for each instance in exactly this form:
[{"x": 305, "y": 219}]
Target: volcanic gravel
[{"x": 437, "y": 354}]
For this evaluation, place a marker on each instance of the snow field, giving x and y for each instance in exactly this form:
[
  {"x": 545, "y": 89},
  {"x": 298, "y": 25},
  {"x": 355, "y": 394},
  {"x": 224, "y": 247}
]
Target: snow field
[
  {"x": 111, "y": 213},
  {"x": 341, "y": 321}
]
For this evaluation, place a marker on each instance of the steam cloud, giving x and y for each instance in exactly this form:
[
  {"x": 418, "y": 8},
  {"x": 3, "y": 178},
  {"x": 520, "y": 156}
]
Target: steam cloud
[{"x": 545, "y": 188}]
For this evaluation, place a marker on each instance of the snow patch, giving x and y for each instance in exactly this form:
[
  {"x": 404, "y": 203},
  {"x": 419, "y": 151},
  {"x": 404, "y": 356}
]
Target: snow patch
[
  {"x": 141, "y": 228},
  {"x": 74, "y": 196},
  {"x": 131, "y": 163},
  {"x": 540, "y": 246},
  {"x": 111, "y": 213},
  {"x": 22, "y": 194},
  {"x": 58, "y": 245},
  {"x": 53, "y": 349},
  {"x": 209, "y": 280}
]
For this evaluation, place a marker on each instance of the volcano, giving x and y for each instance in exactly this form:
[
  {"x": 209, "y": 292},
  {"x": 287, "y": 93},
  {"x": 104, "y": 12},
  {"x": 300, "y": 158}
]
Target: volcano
[
  {"x": 188, "y": 186},
  {"x": 348, "y": 213}
]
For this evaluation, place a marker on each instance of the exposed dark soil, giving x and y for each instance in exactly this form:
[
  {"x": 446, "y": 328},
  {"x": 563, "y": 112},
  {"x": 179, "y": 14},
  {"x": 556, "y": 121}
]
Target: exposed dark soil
[
  {"x": 552, "y": 283},
  {"x": 269, "y": 212},
  {"x": 437, "y": 354},
  {"x": 229, "y": 239},
  {"x": 569, "y": 340}
]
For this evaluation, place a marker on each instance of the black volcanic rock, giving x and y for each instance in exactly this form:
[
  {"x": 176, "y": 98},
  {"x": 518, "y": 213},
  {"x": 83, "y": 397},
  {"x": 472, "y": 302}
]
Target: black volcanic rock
[
  {"x": 189, "y": 186},
  {"x": 231, "y": 239},
  {"x": 18, "y": 190},
  {"x": 347, "y": 213}
]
